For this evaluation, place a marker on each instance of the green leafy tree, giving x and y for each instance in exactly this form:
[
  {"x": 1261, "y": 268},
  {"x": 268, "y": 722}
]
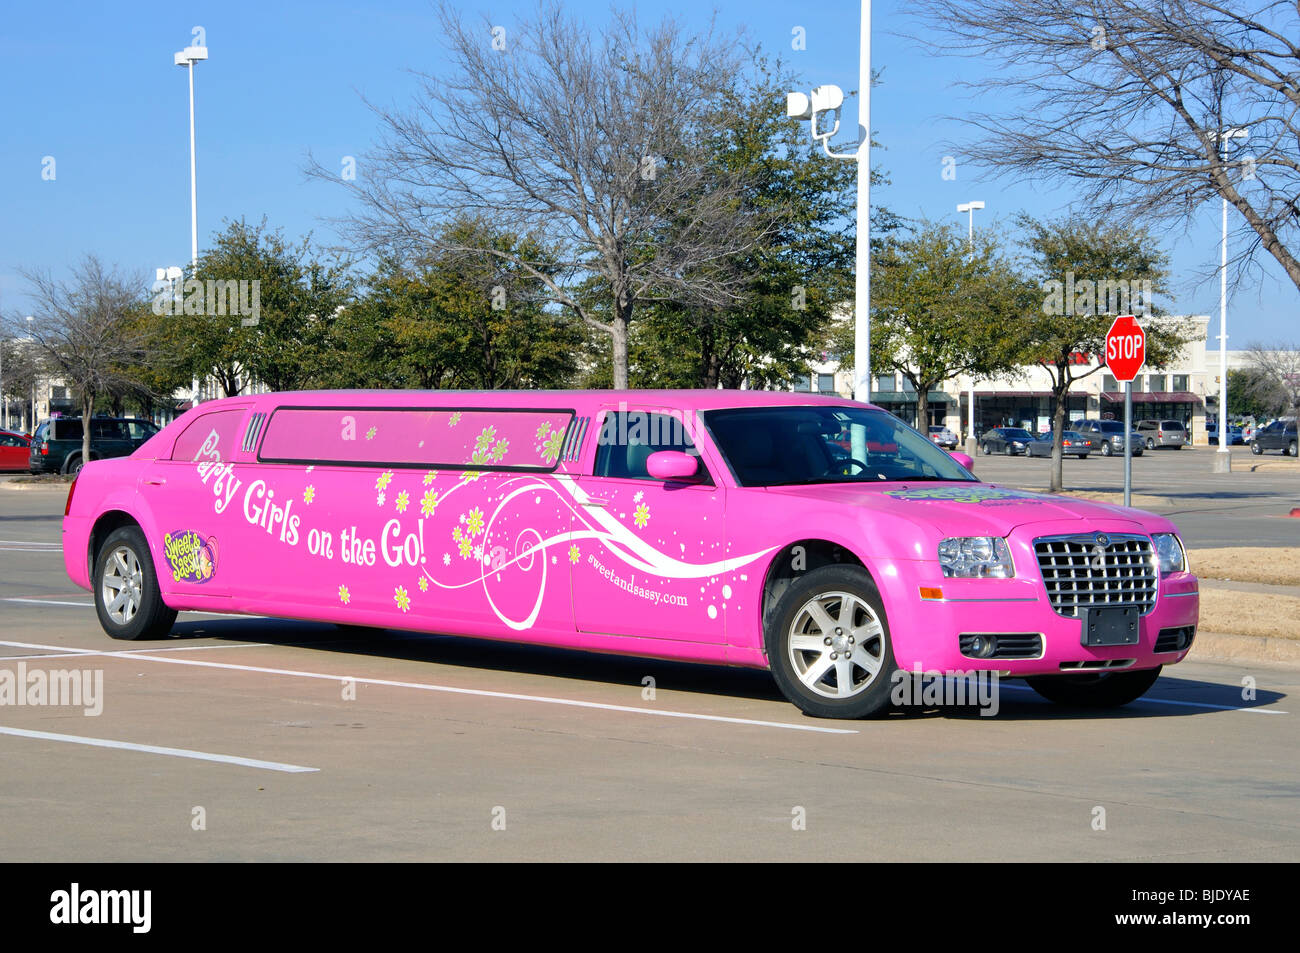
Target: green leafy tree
[
  {"x": 1250, "y": 393},
  {"x": 1089, "y": 273},
  {"x": 941, "y": 307}
]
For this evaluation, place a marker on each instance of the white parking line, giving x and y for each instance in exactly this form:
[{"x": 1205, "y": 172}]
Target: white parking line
[
  {"x": 482, "y": 693},
  {"x": 50, "y": 602},
  {"x": 127, "y": 653},
  {"x": 156, "y": 749}
]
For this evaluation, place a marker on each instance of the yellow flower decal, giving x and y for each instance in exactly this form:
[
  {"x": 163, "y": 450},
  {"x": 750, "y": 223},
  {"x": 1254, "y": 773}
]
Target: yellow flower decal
[
  {"x": 430, "y": 477},
  {"x": 428, "y": 502},
  {"x": 485, "y": 438},
  {"x": 456, "y": 534},
  {"x": 573, "y": 553},
  {"x": 308, "y": 495},
  {"x": 402, "y": 598},
  {"x": 642, "y": 516},
  {"x": 543, "y": 430},
  {"x": 454, "y": 419},
  {"x": 344, "y": 595},
  {"x": 402, "y": 500},
  {"x": 551, "y": 448},
  {"x": 424, "y": 584},
  {"x": 370, "y": 434},
  {"x": 385, "y": 478},
  {"x": 466, "y": 547},
  {"x": 475, "y": 523},
  {"x": 499, "y": 450}
]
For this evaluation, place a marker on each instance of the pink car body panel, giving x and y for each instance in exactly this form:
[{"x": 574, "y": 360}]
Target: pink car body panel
[{"x": 259, "y": 505}]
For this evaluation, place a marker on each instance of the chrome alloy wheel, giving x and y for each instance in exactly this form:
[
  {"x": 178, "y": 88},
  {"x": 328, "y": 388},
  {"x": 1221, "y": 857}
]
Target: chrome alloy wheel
[
  {"x": 836, "y": 645},
  {"x": 122, "y": 585}
]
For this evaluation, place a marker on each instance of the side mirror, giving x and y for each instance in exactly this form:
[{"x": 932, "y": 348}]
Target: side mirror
[
  {"x": 964, "y": 460},
  {"x": 671, "y": 465}
]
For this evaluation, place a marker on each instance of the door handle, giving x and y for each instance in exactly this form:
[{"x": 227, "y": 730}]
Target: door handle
[
  {"x": 593, "y": 502},
  {"x": 155, "y": 481}
]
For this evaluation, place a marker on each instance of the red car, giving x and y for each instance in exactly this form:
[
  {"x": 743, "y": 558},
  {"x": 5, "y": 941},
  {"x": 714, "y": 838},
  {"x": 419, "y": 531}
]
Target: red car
[{"x": 14, "y": 448}]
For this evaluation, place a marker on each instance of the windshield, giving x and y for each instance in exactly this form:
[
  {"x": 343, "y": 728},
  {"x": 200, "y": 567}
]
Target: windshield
[{"x": 780, "y": 446}]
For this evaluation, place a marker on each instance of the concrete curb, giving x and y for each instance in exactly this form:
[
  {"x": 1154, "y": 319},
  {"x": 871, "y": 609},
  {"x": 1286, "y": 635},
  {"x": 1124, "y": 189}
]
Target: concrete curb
[
  {"x": 1244, "y": 648},
  {"x": 10, "y": 485}
]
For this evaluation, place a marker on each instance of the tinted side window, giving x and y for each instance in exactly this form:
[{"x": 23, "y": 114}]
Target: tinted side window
[
  {"x": 627, "y": 439},
  {"x": 67, "y": 429},
  {"x": 41, "y": 431},
  {"x": 210, "y": 437}
]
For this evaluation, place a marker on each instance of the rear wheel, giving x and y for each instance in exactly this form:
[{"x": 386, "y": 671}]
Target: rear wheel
[
  {"x": 1151, "y": 444},
  {"x": 1255, "y": 448},
  {"x": 1293, "y": 448},
  {"x": 828, "y": 644},
  {"x": 127, "y": 599},
  {"x": 73, "y": 464},
  {"x": 1095, "y": 690}
]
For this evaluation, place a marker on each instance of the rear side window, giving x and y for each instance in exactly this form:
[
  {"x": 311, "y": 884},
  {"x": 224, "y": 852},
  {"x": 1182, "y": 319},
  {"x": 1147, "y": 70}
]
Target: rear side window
[
  {"x": 41, "y": 431},
  {"x": 67, "y": 429},
  {"x": 108, "y": 430},
  {"x": 210, "y": 437},
  {"x": 441, "y": 438},
  {"x": 1173, "y": 425}
]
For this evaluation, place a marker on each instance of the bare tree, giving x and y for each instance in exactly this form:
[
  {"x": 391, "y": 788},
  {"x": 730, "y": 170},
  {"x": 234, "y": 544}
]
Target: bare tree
[
  {"x": 85, "y": 331},
  {"x": 1276, "y": 381},
  {"x": 594, "y": 145},
  {"x": 1131, "y": 99}
]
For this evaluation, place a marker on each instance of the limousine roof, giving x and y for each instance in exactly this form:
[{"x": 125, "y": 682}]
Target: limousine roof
[{"x": 578, "y": 399}]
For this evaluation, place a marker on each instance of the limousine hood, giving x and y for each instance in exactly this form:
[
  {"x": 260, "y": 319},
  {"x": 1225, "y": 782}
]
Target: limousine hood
[{"x": 972, "y": 509}]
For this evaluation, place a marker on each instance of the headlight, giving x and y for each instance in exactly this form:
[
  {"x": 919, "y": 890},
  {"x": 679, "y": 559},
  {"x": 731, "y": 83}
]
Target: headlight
[
  {"x": 1169, "y": 553},
  {"x": 1017, "y": 443},
  {"x": 976, "y": 556}
]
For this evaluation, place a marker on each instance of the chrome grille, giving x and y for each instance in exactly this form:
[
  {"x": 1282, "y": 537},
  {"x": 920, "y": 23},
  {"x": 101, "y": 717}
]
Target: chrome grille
[{"x": 1097, "y": 569}]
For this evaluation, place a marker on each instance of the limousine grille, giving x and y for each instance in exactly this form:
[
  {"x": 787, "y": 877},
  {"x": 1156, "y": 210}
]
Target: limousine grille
[
  {"x": 254, "y": 428},
  {"x": 573, "y": 439},
  {"x": 1097, "y": 569}
]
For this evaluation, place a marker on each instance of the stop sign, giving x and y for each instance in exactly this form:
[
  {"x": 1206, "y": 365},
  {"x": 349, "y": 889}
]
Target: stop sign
[{"x": 1126, "y": 348}]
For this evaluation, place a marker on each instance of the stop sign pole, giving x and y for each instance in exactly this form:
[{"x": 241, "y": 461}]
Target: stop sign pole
[{"x": 1126, "y": 352}]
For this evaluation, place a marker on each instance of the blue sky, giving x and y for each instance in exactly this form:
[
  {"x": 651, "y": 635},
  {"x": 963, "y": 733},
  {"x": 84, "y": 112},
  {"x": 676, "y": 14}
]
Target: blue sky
[{"x": 93, "y": 86}]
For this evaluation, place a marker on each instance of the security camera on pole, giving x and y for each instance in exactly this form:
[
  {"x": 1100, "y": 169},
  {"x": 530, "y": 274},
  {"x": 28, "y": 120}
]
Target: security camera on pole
[
  {"x": 827, "y": 100},
  {"x": 1126, "y": 353}
]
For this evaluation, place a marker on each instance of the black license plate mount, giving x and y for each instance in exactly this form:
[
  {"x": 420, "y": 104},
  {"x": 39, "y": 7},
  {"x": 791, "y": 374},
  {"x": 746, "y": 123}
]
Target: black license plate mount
[{"x": 1109, "y": 625}]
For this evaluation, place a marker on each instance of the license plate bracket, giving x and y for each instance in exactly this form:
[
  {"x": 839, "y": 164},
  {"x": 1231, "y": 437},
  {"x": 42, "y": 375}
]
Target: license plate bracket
[{"x": 1109, "y": 625}]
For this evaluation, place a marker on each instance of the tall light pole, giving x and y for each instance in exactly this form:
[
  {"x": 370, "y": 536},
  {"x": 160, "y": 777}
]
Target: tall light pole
[
  {"x": 187, "y": 58},
  {"x": 969, "y": 208},
  {"x": 827, "y": 100},
  {"x": 32, "y": 421},
  {"x": 1223, "y": 459}
]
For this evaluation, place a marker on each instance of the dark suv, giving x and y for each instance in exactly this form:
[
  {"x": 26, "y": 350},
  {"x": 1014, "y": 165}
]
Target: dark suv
[
  {"x": 1279, "y": 435},
  {"x": 56, "y": 445},
  {"x": 1162, "y": 433},
  {"x": 1111, "y": 435}
]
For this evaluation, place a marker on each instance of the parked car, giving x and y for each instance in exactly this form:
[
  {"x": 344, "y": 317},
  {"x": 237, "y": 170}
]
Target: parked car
[
  {"x": 1008, "y": 440},
  {"x": 1111, "y": 433},
  {"x": 1279, "y": 435},
  {"x": 712, "y": 526},
  {"x": 56, "y": 446},
  {"x": 1163, "y": 433},
  {"x": 14, "y": 450},
  {"x": 1236, "y": 436},
  {"x": 1072, "y": 444},
  {"x": 943, "y": 437}
]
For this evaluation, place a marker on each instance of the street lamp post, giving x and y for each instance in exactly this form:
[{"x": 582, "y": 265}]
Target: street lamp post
[
  {"x": 827, "y": 100},
  {"x": 32, "y": 421},
  {"x": 969, "y": 208},
  {"x": 187, "y": 58},
  {"x": 1223, "y": 459}
]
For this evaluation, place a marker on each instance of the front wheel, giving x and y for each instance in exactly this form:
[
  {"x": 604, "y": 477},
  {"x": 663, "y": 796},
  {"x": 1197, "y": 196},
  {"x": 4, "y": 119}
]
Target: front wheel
[
  {"x": 1293, "y": 448},
  {"x": 1106, "y": 449},
  {"x": 828, "y": 644},
  {"x": 984, "y": 449},
  {"x": 1255, "y": 448},
  {"x": 1095, "y": 690},
  {"x": 127, "y": 599}
]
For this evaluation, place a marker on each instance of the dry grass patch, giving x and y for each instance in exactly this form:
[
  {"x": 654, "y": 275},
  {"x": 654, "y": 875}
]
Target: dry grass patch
[
  {"x": 1276, "y": 566},
  {"x": 1239, "y": 613},
  {"x": 1139, "y": 501}
]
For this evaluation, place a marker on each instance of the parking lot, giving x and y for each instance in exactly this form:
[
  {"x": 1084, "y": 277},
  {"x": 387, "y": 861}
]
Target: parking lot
[{"x": 253, "y": 739}]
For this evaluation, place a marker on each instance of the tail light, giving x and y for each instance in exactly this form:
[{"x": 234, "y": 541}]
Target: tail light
[
  {"x": 71, "y": 490},
  {"x": 44, "y": 450}
]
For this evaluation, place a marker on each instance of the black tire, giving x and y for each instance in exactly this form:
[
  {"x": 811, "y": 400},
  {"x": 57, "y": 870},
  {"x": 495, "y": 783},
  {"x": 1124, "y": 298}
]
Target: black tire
[
  {"x": 1082, "y": 456},
  {"x": 984, "y": 449},
  {"x": 124, "y": 559},
  {"x": 796, "y": 668},
  {"x": 1106, "y": 449},
  {"x": 1151, "y": 444},
  {"x": 1095, "y": 690},
  {"x": 1009, "y": 451},
  {"x": 72, "y": 464},
  {"x": 1255, "y": 448},
  {"x": 1293, "y": 448}
]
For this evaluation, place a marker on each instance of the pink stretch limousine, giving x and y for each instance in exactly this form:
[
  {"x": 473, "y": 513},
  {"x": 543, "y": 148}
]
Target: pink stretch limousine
[{"x": 816, "y": 537}]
